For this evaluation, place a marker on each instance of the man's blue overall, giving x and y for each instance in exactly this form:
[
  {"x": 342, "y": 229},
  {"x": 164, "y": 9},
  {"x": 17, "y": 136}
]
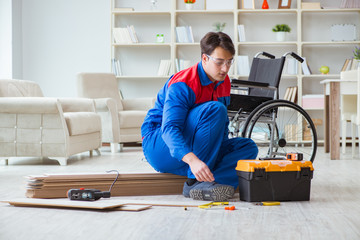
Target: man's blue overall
[{"x": 190, "y": 116}]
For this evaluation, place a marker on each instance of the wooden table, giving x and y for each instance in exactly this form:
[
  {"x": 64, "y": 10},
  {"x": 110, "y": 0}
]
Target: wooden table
[{"x": 332, "y": 114}]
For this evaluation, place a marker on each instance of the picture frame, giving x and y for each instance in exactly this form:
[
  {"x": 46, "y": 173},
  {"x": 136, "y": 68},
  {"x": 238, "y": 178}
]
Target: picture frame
[
  {"x": 284, "y": 4},
  {"x": 248, "y": 4}
]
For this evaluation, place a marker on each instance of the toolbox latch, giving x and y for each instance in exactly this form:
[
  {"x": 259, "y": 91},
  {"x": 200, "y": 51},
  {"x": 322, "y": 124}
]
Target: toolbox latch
[
  {"x": 304, "y": 173},
  {"x": 260, "y": 174}
]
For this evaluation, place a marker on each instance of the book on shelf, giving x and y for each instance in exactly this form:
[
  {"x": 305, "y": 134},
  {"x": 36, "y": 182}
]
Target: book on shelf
[
  {"x": 181, "y": 34},
  {"x": 125, "y": 35},
  {"x": 182, "y": 64},
  {"x": 241, "y": 31},
  {"x": 310, "y": 5},
  {"x": 291, "y": 66},
  {"x": 184, "y": 34},
  {"x": 116, "y": 67},
  {"x": 121, "y": 35},
  {"x": 164, "y": 68},
  {"x": 248, "y": 4},
  {"x": 287, "y": 92},
  {"x": 350, "y": 64},
  {"x": 294, "y": 95},
  {"x": 350, "y": 4},
  {"x": 291, "y": 94},
  {"x": 346, "y": 63},
  {"x": 243, "y": 65},
  {"x": 132, "y": 32},
  {"x": 305, "y": 67},
  {"x": 123, "y": 9},
  {"x": 190, "y": 34},
  {"x": 177, "y": 65},
  {"x": 354, "y": 64}
]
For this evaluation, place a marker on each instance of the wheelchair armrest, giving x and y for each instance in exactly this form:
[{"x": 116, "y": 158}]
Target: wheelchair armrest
[
  {"x": 248, "y": 83},
  {"x": 236, "y": 83}
]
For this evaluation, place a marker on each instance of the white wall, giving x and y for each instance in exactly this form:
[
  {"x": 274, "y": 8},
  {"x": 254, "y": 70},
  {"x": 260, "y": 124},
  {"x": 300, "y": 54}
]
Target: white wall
[
  {"x": 17, "y": 63},
  {"x": 5, "y": 39},
  {"x": 62, "y": 38}
]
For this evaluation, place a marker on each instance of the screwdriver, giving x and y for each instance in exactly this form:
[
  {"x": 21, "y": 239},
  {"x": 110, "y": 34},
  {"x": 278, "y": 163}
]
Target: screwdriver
[{"x": 267, "y": 203}]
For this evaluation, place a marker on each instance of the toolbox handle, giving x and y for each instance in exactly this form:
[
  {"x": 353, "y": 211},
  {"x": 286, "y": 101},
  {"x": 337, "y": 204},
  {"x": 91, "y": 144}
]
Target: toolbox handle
[
  {"x": 305, "y": 172},
  {"x": 259, "y": 174}
]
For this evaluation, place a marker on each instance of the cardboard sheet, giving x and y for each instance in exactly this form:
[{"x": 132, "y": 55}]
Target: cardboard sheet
[{"x": 102, "y": 204}]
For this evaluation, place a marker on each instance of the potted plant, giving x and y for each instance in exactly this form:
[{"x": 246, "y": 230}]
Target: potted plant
[
  {"x": 356, "y": 53},
  {"x": 281, "y": 30},
  {"x": 219, "y": 27},
  {"x": 189, "y": 4}
]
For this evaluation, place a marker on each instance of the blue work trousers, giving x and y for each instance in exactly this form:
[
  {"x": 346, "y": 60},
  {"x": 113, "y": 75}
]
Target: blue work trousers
[{"x": 204, "y": 133}]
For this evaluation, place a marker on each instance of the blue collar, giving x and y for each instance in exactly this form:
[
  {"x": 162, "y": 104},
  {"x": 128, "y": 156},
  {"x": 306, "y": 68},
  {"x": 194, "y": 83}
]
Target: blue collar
[{"x": 204, "y": 79}]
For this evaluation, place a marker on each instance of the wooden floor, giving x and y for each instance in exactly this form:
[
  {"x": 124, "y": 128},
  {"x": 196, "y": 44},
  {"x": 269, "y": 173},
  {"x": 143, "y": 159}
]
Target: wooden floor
[{"x": 332, "y": 213}]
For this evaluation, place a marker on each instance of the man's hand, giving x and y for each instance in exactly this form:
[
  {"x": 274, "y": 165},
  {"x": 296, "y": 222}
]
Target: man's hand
[{"x": 198, "y": 168}]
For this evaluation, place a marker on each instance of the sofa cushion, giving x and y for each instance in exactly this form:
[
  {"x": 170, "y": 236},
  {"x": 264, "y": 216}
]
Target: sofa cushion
[
  {"x": 19, "y": 88},
  {"x": 131, "y": 118},
  {"x": 82, "y": 122}
]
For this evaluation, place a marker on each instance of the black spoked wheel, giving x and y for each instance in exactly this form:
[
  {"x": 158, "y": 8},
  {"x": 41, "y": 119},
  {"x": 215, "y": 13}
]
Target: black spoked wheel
[{"x": 279, "y": 127}]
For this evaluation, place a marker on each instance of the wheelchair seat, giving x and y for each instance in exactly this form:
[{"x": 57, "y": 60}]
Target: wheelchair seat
[{"x": 245, "y": 102}]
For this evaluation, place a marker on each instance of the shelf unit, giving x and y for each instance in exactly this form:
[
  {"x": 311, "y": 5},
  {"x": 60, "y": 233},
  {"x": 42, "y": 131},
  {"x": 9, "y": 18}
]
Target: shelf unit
[{"x": 310, "y": 38}]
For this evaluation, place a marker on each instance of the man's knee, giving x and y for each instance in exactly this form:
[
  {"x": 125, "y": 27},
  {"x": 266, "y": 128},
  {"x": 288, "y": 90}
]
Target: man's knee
[
  {"x": 216, "y": 108},
  {"x": 247, "y": 145},
  {"x": 253, "y": 147}
]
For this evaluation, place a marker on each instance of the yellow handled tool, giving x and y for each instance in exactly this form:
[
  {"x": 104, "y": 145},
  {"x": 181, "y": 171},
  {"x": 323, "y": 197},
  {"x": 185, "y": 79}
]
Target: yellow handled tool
[
  {"x": 209, "y": 205},
  {"x": 268, "y": 203}
]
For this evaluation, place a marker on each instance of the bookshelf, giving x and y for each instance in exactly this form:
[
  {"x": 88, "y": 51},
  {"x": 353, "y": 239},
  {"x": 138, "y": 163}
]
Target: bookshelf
[{"x": 309, "y": 37}]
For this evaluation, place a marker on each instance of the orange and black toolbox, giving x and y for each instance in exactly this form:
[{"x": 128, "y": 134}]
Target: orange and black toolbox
[{"x": 274, "y": 180}]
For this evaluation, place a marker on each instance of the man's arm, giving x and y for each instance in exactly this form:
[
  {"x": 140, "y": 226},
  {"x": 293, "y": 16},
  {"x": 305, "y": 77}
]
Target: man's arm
[
  {"x": 178, "y": 102},
  {"x": 198, "y": 168}
]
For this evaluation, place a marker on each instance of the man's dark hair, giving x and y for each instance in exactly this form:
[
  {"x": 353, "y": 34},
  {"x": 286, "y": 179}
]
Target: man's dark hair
[{"x": 213, "y": 40}]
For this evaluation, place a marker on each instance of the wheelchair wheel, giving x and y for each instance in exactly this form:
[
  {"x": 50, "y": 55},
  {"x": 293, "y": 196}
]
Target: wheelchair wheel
[{"x": 279, "y": 127}]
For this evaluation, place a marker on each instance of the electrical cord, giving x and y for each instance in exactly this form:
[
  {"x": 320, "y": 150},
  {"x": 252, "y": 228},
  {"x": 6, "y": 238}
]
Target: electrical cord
[
  {"x": 91, "y": 194},
  {"x": 117, "y": 176}
]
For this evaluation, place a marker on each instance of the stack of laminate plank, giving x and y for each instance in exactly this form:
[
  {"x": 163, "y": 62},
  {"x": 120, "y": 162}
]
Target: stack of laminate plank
[{"x": 130, "y": 184}]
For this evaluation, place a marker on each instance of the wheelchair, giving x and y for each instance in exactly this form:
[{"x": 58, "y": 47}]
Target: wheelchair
[{"x": 255, "y": 111}]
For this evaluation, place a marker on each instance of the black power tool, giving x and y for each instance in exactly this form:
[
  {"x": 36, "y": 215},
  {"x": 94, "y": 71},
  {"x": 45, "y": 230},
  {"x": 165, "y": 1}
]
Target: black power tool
[{"x": 83, "y": 194}]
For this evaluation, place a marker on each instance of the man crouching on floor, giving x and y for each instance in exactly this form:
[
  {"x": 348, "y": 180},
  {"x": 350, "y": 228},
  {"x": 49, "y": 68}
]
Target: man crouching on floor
[{"x": 186, "y": 133}]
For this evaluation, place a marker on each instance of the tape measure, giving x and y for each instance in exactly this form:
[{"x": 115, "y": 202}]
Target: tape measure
[{"x": 294, "y": 156}]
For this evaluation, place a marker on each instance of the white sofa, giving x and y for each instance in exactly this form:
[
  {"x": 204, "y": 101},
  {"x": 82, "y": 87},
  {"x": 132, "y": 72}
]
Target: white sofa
[
  {"x": 35, "y": 126},
  {"x": 121, "y": 118}
]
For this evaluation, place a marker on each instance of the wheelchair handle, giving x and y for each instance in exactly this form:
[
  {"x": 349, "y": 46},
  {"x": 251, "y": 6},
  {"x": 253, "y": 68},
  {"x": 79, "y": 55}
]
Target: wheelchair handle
[
  {"x": 294, "y": 55},
  {"x": 265, "y": 54}
]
